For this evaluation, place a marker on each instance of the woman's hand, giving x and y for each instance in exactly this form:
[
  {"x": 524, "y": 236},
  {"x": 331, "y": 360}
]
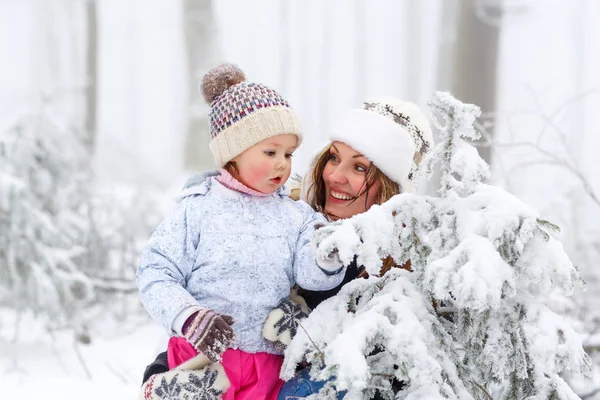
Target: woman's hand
[{"x": 282, "y": 323}]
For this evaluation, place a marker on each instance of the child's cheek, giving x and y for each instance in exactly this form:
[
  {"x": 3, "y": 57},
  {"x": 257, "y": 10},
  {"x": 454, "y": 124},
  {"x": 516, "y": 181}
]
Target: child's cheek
[{"x": 261, "y": 171}]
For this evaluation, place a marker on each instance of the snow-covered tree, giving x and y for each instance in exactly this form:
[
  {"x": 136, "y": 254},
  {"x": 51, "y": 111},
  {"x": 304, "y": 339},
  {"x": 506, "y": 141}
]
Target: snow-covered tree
[
  {"x": 40, "y": 187},
  {"x": 65, "y": 244},
  {"x": 469, "y": 321}
]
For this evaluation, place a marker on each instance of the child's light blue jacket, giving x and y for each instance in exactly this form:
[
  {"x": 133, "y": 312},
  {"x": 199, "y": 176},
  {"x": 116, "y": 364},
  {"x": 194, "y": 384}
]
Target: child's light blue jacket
[{"x": 231, "y": 252}]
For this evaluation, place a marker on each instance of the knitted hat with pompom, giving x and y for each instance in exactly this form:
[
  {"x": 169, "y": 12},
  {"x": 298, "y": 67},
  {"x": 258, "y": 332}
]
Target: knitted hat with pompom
[{"x": 243, "y": 113}]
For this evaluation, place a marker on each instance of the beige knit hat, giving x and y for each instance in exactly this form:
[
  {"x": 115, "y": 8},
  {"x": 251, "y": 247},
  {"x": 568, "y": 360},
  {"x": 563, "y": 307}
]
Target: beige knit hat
[{"x": 243, "y": 113}]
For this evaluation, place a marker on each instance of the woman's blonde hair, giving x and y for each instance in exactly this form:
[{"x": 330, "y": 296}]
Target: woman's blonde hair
[{"x": 316, "y": 191}]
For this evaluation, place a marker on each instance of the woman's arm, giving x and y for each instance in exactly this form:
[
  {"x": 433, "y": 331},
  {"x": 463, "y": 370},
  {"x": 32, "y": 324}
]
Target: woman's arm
[{"x": 314, "y": 298}]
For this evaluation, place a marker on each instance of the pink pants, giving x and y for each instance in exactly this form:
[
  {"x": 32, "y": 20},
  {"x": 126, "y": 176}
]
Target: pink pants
[{"x": 252, "y": 376}]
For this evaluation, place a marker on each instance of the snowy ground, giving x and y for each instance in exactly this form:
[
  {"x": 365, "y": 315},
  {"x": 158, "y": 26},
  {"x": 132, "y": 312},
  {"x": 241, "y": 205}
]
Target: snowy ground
[{"x": 38, "y": 366}]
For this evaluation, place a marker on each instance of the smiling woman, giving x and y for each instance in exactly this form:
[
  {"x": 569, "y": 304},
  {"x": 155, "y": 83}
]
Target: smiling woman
[
  {"x": 372, "y": 157},
  {"x": 373, "y": 154}
]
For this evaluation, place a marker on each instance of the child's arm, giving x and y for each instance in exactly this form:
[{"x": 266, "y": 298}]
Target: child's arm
[
  {"x": 309, "y": 275},
  {"x": 165, "y": 265}
]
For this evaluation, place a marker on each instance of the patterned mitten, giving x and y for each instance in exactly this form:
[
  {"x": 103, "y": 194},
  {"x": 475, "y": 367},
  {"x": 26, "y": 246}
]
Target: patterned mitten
[
  {"x": 209, "y": 332},
  {"x": 282, "y": 323},
  {"x": 204, "y": 382}
]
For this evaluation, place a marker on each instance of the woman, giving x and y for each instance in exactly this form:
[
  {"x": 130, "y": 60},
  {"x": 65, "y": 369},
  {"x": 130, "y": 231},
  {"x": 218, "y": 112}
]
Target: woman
[{"x": 372, "y": 155}]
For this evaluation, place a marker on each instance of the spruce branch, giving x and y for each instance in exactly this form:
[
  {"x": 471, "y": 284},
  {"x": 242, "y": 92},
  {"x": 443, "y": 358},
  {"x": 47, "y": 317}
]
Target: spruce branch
[
  {"x": 321, "y": 354},
  {"x": 483, "y": 390}
]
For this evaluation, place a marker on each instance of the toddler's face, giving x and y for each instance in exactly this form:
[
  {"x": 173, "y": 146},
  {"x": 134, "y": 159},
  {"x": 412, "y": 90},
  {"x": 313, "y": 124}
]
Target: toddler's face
[{"x": 267, "y": 165}]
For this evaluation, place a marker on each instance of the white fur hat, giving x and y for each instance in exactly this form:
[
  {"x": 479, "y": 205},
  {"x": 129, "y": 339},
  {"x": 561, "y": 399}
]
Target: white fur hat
[{"x": 391, "y": 133}]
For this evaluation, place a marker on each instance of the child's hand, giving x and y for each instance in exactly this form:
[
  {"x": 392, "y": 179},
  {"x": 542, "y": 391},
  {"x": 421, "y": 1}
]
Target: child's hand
[
  {"x": 209, "y": 333},
  {"x": 329, "y": 262},
  {"x": 328, "y": 258}
]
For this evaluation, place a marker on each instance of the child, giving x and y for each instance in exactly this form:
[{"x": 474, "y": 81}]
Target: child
[{"x": 236, "y": 244}]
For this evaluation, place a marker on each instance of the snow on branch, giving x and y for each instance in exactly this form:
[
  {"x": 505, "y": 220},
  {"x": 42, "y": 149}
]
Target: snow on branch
[{"x": 477, "y": 251}]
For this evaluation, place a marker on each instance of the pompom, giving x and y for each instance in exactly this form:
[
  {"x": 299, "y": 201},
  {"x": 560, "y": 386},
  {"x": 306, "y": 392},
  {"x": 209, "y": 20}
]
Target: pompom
[{"x": 219, "y": 79}]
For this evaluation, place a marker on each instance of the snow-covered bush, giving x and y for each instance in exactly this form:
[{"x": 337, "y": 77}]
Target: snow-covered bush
[
  {"x": 469, "y": 321},
  {"x": 64, "y": 244}
]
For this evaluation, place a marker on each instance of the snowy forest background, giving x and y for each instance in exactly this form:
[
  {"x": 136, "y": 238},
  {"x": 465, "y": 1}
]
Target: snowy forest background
[{"x": 101, "y": 123}]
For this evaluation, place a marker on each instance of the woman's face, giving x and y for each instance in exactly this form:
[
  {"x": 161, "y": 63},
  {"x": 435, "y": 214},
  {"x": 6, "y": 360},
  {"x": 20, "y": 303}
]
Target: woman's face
[{"x": 344, "y": 176}]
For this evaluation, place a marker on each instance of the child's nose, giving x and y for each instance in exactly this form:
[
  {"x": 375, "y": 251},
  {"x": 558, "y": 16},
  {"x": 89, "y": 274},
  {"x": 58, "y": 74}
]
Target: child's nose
[{"x": 281, "y": 162}]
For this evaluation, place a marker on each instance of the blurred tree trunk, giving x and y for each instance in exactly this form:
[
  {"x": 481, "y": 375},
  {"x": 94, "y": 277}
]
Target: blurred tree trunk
[
  {"x": 447, "y": 39},
  {"x": 284, "y": 47},
  {"x": 475, "y": 58},
  {"x": 200, "y": 35},
  {"x": 360, "y": 51},
  {"x": 91, "y": 75},
  {"x": 413, "y": 50},
  {"x": 324, "y": 69}
]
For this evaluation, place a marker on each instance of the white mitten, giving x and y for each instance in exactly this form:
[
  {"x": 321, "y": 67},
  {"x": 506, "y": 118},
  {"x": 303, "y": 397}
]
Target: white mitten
[
  {"x": 282, "y": 323},
  {"x": 204, "y": 382}
]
